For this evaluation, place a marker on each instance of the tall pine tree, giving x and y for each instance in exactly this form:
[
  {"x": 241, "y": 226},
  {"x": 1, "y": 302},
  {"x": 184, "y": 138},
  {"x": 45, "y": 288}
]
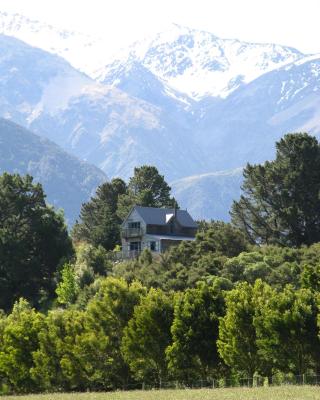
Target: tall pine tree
[{"x": 281, "y": 199}]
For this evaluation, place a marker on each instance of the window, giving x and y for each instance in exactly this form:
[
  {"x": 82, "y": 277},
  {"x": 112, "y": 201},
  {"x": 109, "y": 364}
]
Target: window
[
  {"x": 135, "y": 246},
  {"x": 153, "y": 246},
  {"x": 134, "y": 225}
]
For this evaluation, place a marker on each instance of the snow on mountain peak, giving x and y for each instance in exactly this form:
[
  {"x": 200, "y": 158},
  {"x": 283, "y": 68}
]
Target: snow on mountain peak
[
  {"x": 193, "y": 62},
  {"x": 200, "y": 64},
  {"x": 80, "y": 50}
]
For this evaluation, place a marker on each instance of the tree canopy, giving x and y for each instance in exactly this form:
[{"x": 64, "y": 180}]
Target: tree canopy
[
  {"x": 33, "y": 242},
  {"x": 99, "y": 223},
  {"x": 280, "y": 202},
  {"x": 146, "y": 188}
]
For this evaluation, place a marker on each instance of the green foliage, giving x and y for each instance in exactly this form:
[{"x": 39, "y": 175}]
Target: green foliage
[
  {"x": 146, "y": 188},
  {"x": 237, "y": 342},
  {"x": 281, "y": 202},
  {"x": 67, "y": 289},
  {"x": 57, "y": 361},
  {"x": 221, "y": 238},
  {"x": 99, "y": 223},
  {"x": 310, "y": 277},
  {"x": 33, "y": 241},
  {"x": 108, "y": 314},
  {"x": 207, "y": 308},
  {"x": 81, "y": 349},
  {"x": 193, "y": 354},
  {"x": 275, "y": 267},
  {"x": 189, "y": 262},
  {"x": 287, "y": 333},
  {"x": 150, "y": 188},
  {"x": 19, "y": 339},
  {"x": 148, "y": 335},
  {"x": 80, "y": 280},
  {"x": 92, "y": 258},
  {"x": 90, "y": 263}
]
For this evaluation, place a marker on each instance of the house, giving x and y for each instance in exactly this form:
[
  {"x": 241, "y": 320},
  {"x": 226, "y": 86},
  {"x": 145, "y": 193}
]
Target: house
[{"x": 155, "y": 229}]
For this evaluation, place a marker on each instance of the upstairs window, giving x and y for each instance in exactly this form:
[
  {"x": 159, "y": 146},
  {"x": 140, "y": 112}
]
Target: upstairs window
[{"x": 134, "y": 225}]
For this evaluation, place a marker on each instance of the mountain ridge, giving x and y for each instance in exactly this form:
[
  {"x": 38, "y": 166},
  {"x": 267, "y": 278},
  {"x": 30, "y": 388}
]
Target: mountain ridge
[
  {"x": 67, "y": 181},
  {"x": 134, "y": 116},
  {"x": 86, "y": 53},
  {"x": 199, "y": 64}
]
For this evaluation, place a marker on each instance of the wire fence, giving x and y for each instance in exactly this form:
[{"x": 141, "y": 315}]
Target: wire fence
[
  {"x": 210, "y": 384},
  {"x": 256, "y": 381}
]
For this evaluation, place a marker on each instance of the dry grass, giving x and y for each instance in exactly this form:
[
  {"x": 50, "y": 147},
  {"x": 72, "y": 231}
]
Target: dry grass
[{"x": 263, "y": 393}]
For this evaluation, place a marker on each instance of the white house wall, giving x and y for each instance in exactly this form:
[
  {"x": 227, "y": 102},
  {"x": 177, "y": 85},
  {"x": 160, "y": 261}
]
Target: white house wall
[{"x": 134, "y": 216}]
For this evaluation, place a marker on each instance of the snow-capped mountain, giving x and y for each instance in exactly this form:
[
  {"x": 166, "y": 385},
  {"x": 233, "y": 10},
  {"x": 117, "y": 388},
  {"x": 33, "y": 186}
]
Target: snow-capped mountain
[
  {"x": 34, "y": 82},
  {"x": 84, "y": 52},
  {"x": 246, "y": 125},
  {"x": 137, "y": 80},
  {"x": 185, "y": 101},
  {"x": 96, "y": 122},
  {"x": 195, "y": 63},
  {"x": 199, "y": 64}
]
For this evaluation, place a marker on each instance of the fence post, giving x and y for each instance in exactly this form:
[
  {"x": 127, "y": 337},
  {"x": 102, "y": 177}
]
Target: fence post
[
  {"x": 212, "y": 383},
  {"x": 142, "y": 385},
  {"x": 303, "y": 379}
]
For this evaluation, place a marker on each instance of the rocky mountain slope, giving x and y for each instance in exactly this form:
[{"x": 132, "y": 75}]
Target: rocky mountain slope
[
  {"x": 246, "y": 125},
  {"x": 193, "y": 62},
  {"x": 96, "y": 122},
  {"x": 209, "y": 196},
  {"x": 186, "y": 101},
  {"x": 67, "y": 181},
  {"x": 199, "y": 64}
]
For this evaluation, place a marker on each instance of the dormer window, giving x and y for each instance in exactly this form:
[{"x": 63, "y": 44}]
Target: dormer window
[{"x": 169, "y": 217}]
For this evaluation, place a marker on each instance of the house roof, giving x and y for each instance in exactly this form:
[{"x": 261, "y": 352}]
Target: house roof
[{"x": 161, "y": 216}]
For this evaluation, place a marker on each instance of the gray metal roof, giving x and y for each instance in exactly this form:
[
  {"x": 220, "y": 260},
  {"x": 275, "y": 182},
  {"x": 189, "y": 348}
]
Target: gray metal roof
[{"x": 158, "y": 216}]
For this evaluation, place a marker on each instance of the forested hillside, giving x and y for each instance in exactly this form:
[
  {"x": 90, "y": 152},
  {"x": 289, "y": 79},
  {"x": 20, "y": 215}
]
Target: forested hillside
[{"x": 240, "y": 301}]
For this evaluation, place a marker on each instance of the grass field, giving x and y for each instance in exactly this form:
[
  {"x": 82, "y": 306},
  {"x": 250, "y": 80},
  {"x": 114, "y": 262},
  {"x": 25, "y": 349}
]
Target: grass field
[{"x": 264, "y": 393}]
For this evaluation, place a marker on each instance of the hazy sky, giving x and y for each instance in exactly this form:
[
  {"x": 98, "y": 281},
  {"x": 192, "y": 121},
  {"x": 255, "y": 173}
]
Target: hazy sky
[{"x": 294, "y": 23}]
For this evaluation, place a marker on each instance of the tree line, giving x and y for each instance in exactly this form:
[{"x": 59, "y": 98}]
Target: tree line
[
  {"x": 240, "y": 300},
  {"x": 128, "y": 333}
]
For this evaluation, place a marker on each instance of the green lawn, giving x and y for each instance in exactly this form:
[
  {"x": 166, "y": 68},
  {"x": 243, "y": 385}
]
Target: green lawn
[{"x": 264, "y": 393}]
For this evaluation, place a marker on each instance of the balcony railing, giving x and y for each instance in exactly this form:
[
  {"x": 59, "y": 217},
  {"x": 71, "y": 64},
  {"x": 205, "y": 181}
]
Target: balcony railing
[
  {"x": 132, "y": 232},
  {"x": 129, "y": 254}
]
